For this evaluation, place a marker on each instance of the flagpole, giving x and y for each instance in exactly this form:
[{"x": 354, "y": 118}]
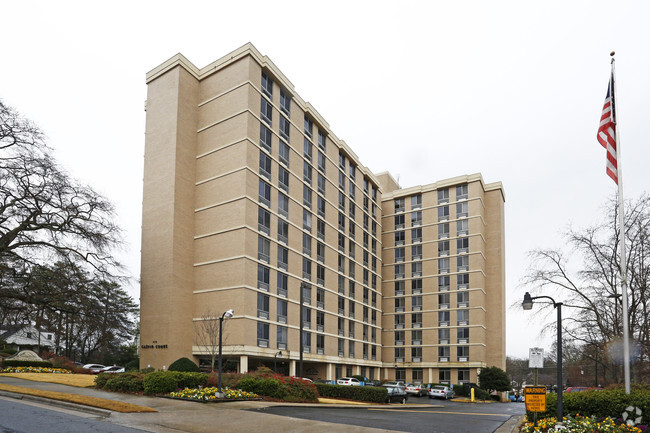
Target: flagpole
[{"x": 621, "y": 226}]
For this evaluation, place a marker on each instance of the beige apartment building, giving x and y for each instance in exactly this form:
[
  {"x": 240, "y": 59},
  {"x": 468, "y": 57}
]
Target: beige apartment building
[{"x": 252, "y": 203}]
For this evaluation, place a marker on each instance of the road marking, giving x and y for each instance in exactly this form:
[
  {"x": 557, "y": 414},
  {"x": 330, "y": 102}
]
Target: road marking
[{"x": 448, "y": 413}]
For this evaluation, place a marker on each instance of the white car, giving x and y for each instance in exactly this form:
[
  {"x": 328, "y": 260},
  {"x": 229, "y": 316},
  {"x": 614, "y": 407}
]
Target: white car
[
  {"x": 94, "y": 368},
  {"x": 416, "y": 389},
  {"x": 350, "y": 381},
  {"x": 440, "y": 391},
  {"x": 112, "y": 369}
]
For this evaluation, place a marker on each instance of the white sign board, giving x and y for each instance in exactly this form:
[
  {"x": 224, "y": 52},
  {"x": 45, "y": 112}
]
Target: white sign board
[{"x": 535, "y": 357}]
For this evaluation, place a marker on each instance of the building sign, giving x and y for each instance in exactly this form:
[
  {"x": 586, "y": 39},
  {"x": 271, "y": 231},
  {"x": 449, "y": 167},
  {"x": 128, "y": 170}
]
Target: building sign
[
  {"x": 535, "y": 357},
  {"x": 153, "y": 346},
  {"x": 535, "y": 398}
]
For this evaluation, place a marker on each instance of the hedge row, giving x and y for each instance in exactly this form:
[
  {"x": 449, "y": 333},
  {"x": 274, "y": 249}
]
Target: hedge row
[
  {"x": 158, "y": 382},
  {"x": 15, "y": 363},
  {"x": 606, "y": 403},
  {"x": 375, "y": 394},
  {"x": 120, "y": 382},
  {"x": 280, "y": 387},
  {"x": 164, "y": 382}
]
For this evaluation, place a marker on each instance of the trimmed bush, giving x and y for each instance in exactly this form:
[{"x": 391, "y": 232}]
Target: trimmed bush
[
  {"x": 124, "y": 382},
  {"x": 190, "y": 380},
  {"x": 606, "y": 403},
  {"x": 184, "y": 364},
  {"x": 132, "y": 365},
  {"x": 101, "y": 379},
  {"x": 15, "y": 363},
  {"x": 164, "y": 382},
  {"x": 280, "y": 387},
  {"x": 230, "y": 380},
  {"x": 465, "y": 391},
  {"x": 375, "y": 394},
  {"x": 159, "y": 382}
]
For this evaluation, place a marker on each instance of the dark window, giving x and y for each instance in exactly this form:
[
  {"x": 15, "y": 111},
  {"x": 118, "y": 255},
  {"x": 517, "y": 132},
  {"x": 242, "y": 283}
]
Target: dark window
[
  {"x": 265, "y": 138},
  {"x": 285, "y": 128},
  {"x": 285, "y": 102},
  {"x": 267, "y": 85},
  {"x": 266, "y": 112}
]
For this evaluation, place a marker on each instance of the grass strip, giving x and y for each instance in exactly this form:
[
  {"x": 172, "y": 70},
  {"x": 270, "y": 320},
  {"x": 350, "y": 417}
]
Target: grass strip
[
  {"x": 78, "y": 380},
  {"x": 102, "y": 403}
]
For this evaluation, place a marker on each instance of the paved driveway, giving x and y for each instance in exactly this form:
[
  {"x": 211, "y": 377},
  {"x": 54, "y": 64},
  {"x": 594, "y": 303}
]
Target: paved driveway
[{"x": 432, "y": 416}]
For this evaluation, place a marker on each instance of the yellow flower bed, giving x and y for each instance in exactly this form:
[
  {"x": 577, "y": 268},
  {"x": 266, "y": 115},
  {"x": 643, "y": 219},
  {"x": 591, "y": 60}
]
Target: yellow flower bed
[
  {"x": 579, "y": 424},
  {"x": 207, "y": 394},
  {"x": 35, "y": 370}
]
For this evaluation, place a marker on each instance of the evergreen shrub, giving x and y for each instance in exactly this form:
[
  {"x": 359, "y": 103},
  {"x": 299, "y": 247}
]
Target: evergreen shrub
[
  {"x": 375, "y": 394},
  {"x": 184, "y": 364}
]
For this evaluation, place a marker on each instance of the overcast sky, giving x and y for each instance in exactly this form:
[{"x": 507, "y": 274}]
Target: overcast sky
[{"x": 513, "y": 90}]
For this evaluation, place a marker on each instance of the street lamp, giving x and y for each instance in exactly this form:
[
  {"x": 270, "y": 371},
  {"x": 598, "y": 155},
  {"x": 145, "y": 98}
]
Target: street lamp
[
  {"x": 275, "y": 360},
  {"x": 528, "y": 305},
  {"x": 227, "y": 315}
]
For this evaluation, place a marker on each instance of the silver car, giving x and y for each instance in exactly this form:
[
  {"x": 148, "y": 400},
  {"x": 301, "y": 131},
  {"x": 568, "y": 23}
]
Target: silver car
[{"x": 439, "y": 391}]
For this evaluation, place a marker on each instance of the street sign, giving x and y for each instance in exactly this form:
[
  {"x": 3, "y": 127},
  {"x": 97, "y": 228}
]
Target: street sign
[
  {"x": 535, "y": 398},
  {"x": 535, "y": 357}
]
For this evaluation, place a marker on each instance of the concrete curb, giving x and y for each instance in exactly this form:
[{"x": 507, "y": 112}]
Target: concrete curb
[
  {"x": 59, "y": 403},
  {"x": 511, "y": 425}
]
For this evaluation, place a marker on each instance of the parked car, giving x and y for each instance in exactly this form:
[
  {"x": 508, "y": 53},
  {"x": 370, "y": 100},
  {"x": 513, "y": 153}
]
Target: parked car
[
  {"x": 112, "y": 369},
  {"x": 348, "y": 381},
  {"x": 372, "y": 383},
  {"x": 396, "y": 383},
  {"x": 396, "y": 394},
  {"x": 416, "y": 389},
  {"x": 582, "y": 388},
  {"x": 440, "y": 391},
  {"x": 94, "y": 368}
]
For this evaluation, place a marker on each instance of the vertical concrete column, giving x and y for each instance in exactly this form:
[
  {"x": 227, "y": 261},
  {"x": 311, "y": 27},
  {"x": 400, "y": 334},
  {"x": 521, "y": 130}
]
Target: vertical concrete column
[
  {"x": 243, "y": 364},
  {"x": 330, "y": 372},
  {"x": 357, "y": 370},
  {"x": 292, "y": 368},
  {"x": 431, "y": 380}
]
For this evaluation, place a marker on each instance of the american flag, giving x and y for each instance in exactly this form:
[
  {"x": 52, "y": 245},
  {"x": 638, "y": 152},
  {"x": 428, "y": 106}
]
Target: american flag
[{"x": 607, "y": 131}]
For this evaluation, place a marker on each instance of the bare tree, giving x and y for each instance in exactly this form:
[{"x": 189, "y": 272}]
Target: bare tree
[
  {"x": 45, "y": 216},
  {"x": 585, "y": 276},
  {"x": 207, "y": 335},
  {"x": 16, "y": 131}
]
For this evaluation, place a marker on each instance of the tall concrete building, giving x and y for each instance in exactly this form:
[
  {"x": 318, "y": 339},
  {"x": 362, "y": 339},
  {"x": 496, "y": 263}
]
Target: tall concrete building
[{"x": 251, "y": 203}]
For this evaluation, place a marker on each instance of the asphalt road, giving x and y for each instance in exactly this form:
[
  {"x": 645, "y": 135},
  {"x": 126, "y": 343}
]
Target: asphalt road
[
  {"x": 433, "y": 416},
  {"x": 20, "y": 417}
]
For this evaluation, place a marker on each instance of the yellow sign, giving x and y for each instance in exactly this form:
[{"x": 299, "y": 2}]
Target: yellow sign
[{"x": 535, "y": 398}]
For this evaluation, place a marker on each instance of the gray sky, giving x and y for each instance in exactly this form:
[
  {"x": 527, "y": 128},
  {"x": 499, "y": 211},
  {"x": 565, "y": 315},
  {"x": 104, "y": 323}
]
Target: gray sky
[{"x": 513, "y": 90}]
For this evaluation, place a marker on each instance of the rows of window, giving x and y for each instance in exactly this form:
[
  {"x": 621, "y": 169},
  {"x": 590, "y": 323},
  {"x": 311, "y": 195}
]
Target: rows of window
[
  {"x": 308, "y": 196},
  {"x": 444, "y": 375},
  {"x": 368, "y": 351},
  {"x": 315, "y": 207},
  {"x": 444, "y": 353}
]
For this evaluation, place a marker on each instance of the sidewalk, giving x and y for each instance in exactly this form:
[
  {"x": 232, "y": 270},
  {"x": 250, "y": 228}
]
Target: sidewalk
[{"x": 174, "y": 416}]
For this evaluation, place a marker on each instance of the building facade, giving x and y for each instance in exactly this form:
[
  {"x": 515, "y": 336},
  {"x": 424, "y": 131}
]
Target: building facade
[{"x": 251, "y": 203}]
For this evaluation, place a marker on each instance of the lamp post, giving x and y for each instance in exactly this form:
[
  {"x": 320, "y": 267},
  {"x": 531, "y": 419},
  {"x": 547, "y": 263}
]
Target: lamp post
[
  {"x": 275, "y": 360},
  {"x": 227, "y": 315},
  {"x": 528, "y": 305}
]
